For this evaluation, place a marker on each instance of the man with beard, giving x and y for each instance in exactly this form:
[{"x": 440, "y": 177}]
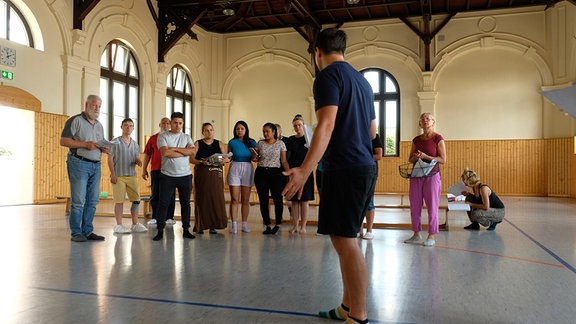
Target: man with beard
[{"x": 83, "y": 134}]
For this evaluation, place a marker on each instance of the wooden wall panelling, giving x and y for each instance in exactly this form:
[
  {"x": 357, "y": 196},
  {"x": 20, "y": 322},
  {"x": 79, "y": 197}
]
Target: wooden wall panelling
[
  {"x": 558, "y": 152},
  {"x": 510, "y": 167},
  {"x": 50, "y": 175}
]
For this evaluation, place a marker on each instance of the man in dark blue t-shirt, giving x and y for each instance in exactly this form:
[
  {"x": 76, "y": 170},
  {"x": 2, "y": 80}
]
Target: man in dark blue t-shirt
[{"x": 343, "y": 140}]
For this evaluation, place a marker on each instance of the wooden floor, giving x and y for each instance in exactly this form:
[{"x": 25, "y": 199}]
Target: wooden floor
[{"x": 524, "y": 272}]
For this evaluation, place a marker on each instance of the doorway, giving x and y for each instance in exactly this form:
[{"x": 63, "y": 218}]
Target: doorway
[{"x": 16, "y": 156}]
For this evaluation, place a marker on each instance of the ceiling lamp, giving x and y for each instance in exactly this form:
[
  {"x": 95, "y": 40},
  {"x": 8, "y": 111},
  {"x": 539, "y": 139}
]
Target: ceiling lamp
[
  {"x": 228, "y": 11},
  {"x": 352, "y": 2}
]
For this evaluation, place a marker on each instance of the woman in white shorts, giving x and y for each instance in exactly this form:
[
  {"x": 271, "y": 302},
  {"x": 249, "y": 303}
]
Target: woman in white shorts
[{"x": 240, "y": 177}]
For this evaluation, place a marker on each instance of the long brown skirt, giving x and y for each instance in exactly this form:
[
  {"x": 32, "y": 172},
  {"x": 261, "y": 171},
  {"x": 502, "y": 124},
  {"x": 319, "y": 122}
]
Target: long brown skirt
[{"x": 209, "y": 203}]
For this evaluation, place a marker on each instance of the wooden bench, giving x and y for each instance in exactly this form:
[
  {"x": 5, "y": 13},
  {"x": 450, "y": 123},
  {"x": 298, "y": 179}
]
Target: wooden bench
[
  {"x": 145, "y": 199},
  {"x": 442, "y": 227}
]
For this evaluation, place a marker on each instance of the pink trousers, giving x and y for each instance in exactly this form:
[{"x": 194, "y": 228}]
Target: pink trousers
[{"x": 425, "y": 190}]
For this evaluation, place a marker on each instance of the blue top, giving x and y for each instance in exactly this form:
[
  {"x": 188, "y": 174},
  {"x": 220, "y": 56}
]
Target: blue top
[
  {"x": 350, "y": 145},
  {"x": 241, "y": 152}
]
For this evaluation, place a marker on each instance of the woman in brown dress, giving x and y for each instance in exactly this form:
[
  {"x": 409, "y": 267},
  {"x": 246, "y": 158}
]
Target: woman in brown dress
[{"x": 209, "y": 203}]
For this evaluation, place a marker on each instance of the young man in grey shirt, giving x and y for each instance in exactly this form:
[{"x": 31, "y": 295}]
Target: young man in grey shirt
[{"x": 176, "y": 148}]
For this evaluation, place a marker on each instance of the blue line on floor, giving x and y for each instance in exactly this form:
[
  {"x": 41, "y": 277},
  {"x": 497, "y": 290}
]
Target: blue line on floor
[
  {"x": 169, "y": 301},
  {"x": 554, "y": 255}
]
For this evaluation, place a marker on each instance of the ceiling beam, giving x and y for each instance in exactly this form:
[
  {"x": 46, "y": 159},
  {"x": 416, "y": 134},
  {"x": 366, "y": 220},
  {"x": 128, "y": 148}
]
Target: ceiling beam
[
  {"x": 81, "y": 9},
  {"x": 303, "y": 9},
  {"x": 173, "y": 24}
]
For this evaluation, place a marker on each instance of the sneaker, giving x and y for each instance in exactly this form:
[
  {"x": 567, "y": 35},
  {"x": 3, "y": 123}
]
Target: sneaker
[
  {"x": 121, "y": 229},
  {"x": 245, "y": 228},
  {"x": 199, "y": 232},
  {"x": 275, "y": 230},
  {"x": 413, "y": 239},
  {"x": 267, "y": 231},
  {"x": 95, "y": 237},
  {"x": 152, "y": 222},
  {"x": 78, "y": 238},
  {"x": 473, "y": 227},
  {"x": 170, "y": 222},
  {"x": 429, "y": 242},
  {"x": 139, "y": 228},
  {"x": 213, "y": 231},
  {"x": 234, "y": 228},
  {"x": 368, "y": 236}
]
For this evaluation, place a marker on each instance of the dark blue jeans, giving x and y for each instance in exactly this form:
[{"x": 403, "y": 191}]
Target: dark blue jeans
[
  {"x": 168, "y": 186},
  {"x": 155, "y": 197}
]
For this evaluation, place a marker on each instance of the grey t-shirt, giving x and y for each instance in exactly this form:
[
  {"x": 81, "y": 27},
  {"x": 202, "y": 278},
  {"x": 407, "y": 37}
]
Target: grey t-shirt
[
  {"x": 79, "y": 128},
  {"x": 175, "y": 167}
]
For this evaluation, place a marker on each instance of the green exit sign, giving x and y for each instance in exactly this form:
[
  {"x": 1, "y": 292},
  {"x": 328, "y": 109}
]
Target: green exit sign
[{"x": 7, "y": 75}]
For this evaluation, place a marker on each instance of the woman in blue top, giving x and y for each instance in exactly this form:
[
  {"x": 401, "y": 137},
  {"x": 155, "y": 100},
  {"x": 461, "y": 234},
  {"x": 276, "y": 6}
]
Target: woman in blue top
[{"x": 240, "y": 177}]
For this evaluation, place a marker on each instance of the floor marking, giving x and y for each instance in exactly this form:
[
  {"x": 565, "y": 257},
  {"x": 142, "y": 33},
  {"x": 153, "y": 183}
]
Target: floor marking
[
  {"x": 554, "y": 255},
  {"x": 502, "y": 256},
  {"x": 169, "y": 301}
]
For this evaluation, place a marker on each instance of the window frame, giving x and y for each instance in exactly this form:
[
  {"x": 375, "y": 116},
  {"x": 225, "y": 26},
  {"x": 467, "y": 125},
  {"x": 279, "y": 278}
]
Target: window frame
[
  {"x": 127, "y": 78},
  {"x": 12, "y": 7},
  {"x": 186, "y": 96},
  {"x": 383, "y": 97}
]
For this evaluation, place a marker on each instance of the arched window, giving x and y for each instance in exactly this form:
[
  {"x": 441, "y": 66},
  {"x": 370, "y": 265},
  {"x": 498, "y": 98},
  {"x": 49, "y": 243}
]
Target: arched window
[
  {"x": 119, "y": 89},
  {"x": 13, "y": 25},
  {"x": 179, "y": 96},
  {"x": 387, "y": 106}
]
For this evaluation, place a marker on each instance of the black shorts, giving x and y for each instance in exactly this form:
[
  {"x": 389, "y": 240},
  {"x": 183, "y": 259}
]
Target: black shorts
[{"x": 345, "y": 198}]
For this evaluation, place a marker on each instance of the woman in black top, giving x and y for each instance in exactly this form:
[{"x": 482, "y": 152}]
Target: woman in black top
[
  {"x": 209, "y": 203},
  {"x": 486, "y": 208}
]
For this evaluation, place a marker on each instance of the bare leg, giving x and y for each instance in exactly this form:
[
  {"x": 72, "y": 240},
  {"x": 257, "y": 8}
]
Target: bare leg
[
  {"x": 304, "y": 215},
  {"x": 235, "y": 202},
  {"x": 118, "y": 212},
  {"x": 245, "y": 196},
  {"x": 369, "y": 220},
  {"x": 354, "y": 275},
  {"x": 295, "y": 216}
]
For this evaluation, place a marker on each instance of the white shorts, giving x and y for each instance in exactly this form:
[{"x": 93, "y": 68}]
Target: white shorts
[{"x": 240, "y": 174}]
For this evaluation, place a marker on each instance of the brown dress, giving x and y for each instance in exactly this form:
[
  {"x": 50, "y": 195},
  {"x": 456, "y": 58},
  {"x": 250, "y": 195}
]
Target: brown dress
[{"x": 209, "y": 203}]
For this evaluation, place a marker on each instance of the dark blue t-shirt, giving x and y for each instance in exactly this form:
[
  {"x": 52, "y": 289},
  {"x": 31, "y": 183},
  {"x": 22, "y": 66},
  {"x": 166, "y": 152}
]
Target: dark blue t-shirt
[{"x": 350, "y": 145}]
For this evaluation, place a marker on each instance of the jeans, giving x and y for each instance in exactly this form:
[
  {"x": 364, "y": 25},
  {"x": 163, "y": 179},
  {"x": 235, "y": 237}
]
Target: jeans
[
  {"x": 84, "y": 180},
  {"x": 155, "y": 197},
  {"x": 168, "y": 187}
]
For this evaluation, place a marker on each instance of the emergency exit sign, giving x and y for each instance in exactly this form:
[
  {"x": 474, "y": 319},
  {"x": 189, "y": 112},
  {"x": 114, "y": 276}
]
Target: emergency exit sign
[{"x": 7, "y": 75}]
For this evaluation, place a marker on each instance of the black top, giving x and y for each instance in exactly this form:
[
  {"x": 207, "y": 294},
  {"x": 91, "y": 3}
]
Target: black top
[
  {"x": 495, "y": 201},
  {"x": 205, "y": 150},
  {"x": 297, "y": 150}
]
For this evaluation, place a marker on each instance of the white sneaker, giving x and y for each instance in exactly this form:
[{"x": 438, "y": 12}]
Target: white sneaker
[
  {"x": 368, "y": 236},
  {"x": 139, "y": 228},
  {"x": 121, "y": 229},
  {"x": 152, "y": 222},
  {"x": 170, "y": 222}
]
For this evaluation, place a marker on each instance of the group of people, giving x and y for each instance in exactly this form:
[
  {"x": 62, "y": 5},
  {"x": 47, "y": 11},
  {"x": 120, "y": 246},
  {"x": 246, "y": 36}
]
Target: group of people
[{"x": 345, "y": 114}]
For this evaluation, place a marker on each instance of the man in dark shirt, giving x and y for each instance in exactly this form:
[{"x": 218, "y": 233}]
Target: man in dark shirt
[{"x": 343, "y": 140}]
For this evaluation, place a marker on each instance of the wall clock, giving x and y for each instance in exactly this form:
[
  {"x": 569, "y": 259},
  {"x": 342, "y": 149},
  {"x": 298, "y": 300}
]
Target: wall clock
[{"x": 8, "y": 56}]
